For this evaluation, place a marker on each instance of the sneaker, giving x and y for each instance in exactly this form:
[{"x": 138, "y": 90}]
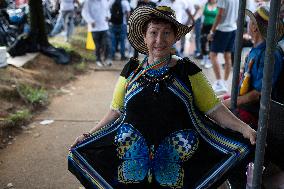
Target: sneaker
[
  {"x": 220, "y": 87},
  {"x": 208, "y": 64},
  {"x": 203, "y": 62},
  {"x": 99, "y": 64},
  {"x": 108, "y": 62},
  {"x": 198, "y": 56},
  {"x": 123, "y": 58}
]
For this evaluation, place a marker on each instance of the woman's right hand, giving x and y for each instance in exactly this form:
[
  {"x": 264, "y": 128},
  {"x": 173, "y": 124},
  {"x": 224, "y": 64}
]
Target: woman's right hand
[
  {"x": 249, "y": 133},
  {"x": 80, "y": 139}
]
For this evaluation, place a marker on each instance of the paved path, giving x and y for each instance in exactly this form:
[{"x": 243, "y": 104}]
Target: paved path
[{"x": 37, "y": 158}]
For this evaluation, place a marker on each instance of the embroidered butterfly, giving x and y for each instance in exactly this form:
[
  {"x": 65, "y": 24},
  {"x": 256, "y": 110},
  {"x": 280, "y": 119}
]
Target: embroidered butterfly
[{"x": 139, "y": 161}]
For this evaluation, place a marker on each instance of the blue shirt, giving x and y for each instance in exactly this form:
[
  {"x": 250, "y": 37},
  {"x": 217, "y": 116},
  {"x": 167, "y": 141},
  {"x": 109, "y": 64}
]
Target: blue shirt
[{"x": 256, "y": 74}]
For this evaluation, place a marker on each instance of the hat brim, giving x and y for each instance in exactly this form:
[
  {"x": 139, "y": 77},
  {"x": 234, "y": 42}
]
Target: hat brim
[
  {"x": 137, "y": 20},
  {"x": 263, "y": 30}
]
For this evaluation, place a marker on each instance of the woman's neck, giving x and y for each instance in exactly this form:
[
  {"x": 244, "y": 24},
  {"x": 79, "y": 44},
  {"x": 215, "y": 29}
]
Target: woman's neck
[
  {"x": 257, "y": 40},
  {"x": 157, "y": 62},
  {"x": 152, "y": 60}
]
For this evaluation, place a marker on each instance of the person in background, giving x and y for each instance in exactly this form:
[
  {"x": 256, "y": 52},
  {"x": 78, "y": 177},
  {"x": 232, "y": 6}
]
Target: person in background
[
  {"x": 157, "y": 133},
  {"x": 222, "y": 35},
  {"x": 96, "y": 13},
  {"x": 210, "y": 12},
  {"x": 197, "y": 16},
  {"x": 65, "y": 19},
  {"x": 248, "y": 100},
  {"x": 118, "y": 26}
]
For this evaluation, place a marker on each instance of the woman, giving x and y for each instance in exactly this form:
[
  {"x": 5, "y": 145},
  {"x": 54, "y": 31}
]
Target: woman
[
  {"x": 156, "y": 134},
  {"x": 210, "y": 12}
]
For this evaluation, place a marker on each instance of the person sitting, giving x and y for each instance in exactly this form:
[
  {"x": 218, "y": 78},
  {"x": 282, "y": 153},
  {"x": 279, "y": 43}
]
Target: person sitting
[
  {"x": 166, "y": 128},
  {"x": 248, "y": 100}
]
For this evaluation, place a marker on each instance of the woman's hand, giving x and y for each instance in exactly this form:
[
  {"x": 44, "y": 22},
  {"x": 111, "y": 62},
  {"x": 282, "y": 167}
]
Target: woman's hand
[
  {"x": 227, "y": 102},
  {"x": 80, "y": 139},
  {"x": 249, "y": 133}
]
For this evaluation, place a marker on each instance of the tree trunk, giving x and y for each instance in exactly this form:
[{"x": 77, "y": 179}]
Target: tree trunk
[{"x": 37, "y": 23}]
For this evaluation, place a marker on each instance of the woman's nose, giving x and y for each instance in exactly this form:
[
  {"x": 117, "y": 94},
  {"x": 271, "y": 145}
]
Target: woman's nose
[{"x": 160, "y": 37}]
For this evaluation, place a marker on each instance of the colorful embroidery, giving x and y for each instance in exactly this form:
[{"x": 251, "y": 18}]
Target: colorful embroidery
[{"x": 164, "y": 163}]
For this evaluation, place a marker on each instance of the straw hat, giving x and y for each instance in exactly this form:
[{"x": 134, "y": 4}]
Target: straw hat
[
  {"x": 261, "y": 17},
  {"x": 143, "y": 14}
]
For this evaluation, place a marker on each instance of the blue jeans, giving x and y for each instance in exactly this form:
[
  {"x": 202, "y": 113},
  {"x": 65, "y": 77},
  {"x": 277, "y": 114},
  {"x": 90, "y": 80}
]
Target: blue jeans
[
  {"x": 118, "y": 35},
  {"x": 197, "y": 31},
  {"x": 65, "y": 20},
  {"x": 102, "y": 44}
]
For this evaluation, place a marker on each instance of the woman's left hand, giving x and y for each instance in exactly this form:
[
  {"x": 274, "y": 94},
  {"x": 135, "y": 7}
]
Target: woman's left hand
[{"x": 249, "y": 133}]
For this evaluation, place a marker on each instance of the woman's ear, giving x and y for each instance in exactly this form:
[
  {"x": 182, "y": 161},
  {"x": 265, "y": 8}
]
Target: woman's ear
[{"x": 254, "y": 28}]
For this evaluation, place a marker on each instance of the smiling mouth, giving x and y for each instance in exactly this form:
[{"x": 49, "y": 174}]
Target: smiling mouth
[{"x": 160, "y": 48}]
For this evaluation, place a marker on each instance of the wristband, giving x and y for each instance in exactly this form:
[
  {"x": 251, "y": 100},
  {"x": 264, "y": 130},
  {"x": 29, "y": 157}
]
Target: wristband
[
  {"x": 211, "y": 32},
  {"x": 87, "y": 134}
]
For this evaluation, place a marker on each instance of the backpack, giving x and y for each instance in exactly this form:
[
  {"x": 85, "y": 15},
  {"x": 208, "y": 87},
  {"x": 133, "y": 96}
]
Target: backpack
[
  {"x": 116, "y": 13},
  {"x": 278, "y": 91}
]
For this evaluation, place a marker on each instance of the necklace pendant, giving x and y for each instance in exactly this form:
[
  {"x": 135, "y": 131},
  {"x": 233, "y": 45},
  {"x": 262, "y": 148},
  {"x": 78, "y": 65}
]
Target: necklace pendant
[{"x": 156, "y": 90}]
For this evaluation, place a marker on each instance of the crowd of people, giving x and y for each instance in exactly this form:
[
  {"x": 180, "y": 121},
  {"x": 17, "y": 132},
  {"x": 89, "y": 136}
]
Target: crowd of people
[{"x": 158, "y": 30}]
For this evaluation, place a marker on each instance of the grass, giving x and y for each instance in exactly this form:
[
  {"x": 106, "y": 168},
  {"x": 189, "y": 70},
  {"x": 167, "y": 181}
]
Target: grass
[
  {"x": 77, "y": 44},
  {"x": 81, "y": 67},
  {"x": 34, "y": 96},
  {"x": 19, "y": 117}
]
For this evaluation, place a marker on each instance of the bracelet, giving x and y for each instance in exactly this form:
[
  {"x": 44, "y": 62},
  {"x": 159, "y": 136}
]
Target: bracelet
[
  {"x": 87, "y": 134},
  {"x": 211, "y": 32}
]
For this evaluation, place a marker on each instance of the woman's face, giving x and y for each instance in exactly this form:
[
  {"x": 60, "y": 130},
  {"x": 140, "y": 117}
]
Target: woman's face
[
  {"x": 252, "y": 28},
  {"x": 159, "y": 39}
]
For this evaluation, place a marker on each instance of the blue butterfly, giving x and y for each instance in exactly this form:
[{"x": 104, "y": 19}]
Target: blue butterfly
[{"x": 139, "y": 161}]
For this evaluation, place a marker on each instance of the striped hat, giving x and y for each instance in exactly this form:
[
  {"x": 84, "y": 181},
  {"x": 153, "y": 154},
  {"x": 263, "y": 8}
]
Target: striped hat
[
  {"x": 261, "y": 17},
  {"x": 143, "y": 14}
]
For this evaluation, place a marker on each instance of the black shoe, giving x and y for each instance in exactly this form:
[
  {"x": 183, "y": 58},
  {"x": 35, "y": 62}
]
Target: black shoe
[
  {"x": 199, "y": 56},
  {"x": 123, "y": 58}
]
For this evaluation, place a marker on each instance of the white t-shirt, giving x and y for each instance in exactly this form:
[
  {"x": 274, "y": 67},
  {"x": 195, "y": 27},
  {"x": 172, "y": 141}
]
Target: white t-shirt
[
  {"x": 230, "y": 15},
  {"x": 199, "y": 4},
  {"x": 66, "y": 5},
  {"x": 96, "y": 11},
  {"x": 252, "y": 6},
  {"x": 180, "y": 7}
]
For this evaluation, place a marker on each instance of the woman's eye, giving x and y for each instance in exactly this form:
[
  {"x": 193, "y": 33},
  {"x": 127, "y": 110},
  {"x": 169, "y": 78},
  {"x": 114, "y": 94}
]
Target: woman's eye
[{"x": 167, "y": 33}]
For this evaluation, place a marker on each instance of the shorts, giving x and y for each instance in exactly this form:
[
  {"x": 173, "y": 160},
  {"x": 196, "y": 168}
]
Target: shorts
[{"x": 223, "y": 41}]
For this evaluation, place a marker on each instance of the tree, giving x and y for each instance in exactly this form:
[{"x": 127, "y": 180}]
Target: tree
[{"x": 38, "y": 32}]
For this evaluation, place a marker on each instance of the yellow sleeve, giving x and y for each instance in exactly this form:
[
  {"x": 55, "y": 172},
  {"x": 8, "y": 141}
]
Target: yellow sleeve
[
  {"x": 204, "y": 97},
  {"x": 118, "y": 94}
]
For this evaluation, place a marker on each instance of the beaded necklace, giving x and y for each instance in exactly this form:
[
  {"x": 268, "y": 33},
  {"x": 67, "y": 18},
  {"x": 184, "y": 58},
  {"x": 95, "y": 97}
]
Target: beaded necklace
[{"x": 155, "y": 64}]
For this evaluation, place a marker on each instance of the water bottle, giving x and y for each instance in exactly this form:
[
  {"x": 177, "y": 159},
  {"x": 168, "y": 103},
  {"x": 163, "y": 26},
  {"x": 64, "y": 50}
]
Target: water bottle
[{"x": 249, "y": 174}]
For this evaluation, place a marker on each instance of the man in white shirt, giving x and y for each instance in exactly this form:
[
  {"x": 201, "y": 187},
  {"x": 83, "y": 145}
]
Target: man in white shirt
[
  {"x": 222, "y": 35},
  {"x": 96, "y": 14}
]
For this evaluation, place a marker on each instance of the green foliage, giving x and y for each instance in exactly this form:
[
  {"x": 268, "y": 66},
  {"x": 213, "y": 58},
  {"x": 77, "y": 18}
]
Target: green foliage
[
  {"x": 34, "y": 96},
  {"x": 19, "y": 117},
  {"x": 66, "y": 46},
  {"x": 89, "y": 56},
  {"x": 81, "y": 67}
]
